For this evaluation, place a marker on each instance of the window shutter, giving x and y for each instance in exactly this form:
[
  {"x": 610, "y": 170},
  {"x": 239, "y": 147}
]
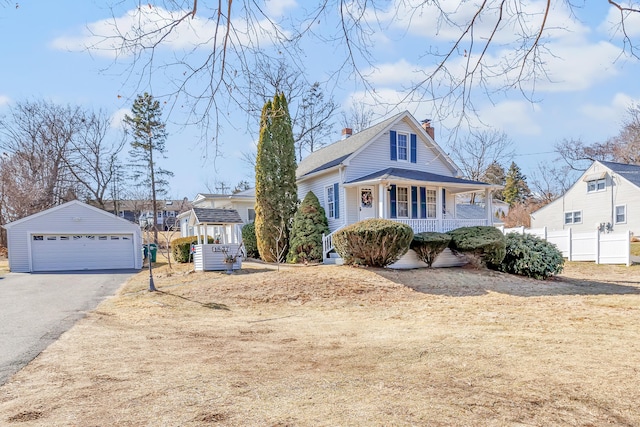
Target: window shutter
[
  {"x": 423, "y": 202},
  {"x": 336, "y": 200},
  {"x": 392, "y": 196},
  {"x": 393, "y": 144},
  {"x": 414, "y": 148},
  {"x": 414, "y": 202}
]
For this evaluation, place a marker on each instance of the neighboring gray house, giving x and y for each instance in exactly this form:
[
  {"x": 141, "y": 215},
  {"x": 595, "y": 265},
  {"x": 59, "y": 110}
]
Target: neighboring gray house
[
  {"x": 392, "y": 170},
  {"x": 606, "y": 197},
  {"x": 73, "y": 236}
]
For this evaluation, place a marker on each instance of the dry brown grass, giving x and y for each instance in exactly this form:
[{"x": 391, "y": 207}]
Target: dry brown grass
[{"x": 344, "y": 346}]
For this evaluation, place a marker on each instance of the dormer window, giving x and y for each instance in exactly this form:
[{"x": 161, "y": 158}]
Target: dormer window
[{"x": 596, "y": 185}]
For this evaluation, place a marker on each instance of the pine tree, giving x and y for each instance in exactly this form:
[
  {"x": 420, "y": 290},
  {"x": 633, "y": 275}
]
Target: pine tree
[
  {"x": 276, "y": 189},
  {"x": 309, "y": 224},
  {"x": 516, "y": 189},
  {"x": 149, "y": 136}
]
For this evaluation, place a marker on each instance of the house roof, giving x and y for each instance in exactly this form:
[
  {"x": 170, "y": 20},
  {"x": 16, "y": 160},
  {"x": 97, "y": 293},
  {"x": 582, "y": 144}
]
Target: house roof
[
  {"x": 217, "y": 216},
  {"x": 99, "y": 211},
  {"x": 342, "y": 151},
  {"x": 413, "y": 175},
  {"x": 630, "y": 172}
]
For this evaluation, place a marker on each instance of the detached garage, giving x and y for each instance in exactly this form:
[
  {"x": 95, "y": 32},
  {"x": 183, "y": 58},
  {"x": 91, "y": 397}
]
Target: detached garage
[{"x": 73, "y": 236}]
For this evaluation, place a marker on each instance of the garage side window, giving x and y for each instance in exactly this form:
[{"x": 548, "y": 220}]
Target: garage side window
[{"x": 38, "y": 238}]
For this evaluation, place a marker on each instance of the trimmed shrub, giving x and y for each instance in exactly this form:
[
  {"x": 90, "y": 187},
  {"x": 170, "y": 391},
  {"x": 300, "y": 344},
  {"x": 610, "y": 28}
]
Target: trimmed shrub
[
  {"x": 531, "y": 256},
  {"x": 249, "y": 240},
  {"x": 309, "y": 224},
  {"x": 484, "y": 245},
  {"x": 373, "y": 242},
  {"x": 429, "y": 245},
  {"x": 181, "y": 247}
]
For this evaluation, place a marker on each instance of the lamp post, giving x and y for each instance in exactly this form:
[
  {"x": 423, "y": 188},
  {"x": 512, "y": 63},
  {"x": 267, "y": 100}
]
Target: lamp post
[{"x": 152, "y": 287}]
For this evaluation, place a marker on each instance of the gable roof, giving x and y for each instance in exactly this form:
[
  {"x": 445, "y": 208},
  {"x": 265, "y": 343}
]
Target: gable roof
[
  {"x": 217, "y": 216},
  {"x": 108, "y": 215},
  {"x": 342, "y": 151},
  {"x": 630, "y": 172}
]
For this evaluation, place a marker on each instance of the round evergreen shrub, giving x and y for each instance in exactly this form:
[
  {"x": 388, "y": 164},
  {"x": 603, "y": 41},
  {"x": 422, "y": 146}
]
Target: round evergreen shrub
[
  {"x": 531, "y": 256},
  {"x": 309, "y": 224},
  {"x": 485, "y": 244},
  {"x": 181, "y": 247},
  {"x": 428, "y": 245},
  {"x": 373, "y": 242},
  {"x": 249, "y": 240}
]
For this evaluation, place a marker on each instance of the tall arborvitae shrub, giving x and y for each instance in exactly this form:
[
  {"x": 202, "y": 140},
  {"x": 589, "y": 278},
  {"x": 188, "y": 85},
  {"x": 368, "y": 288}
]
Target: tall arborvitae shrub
[
  {"x": 276, "y": 190},
  {"x": 309, "y": 224}
]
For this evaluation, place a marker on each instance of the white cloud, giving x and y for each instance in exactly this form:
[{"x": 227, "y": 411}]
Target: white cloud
[
  {"x": 612, "y": 24},
  {"x": 276, "y": 8},
  {"x": 4, "y": 100},
  {"x": 117, "y": 118},
  {"x": 609, "y": 114},
  {"x": 120, "y": 36},
  {"x": 513, "y": 117}
]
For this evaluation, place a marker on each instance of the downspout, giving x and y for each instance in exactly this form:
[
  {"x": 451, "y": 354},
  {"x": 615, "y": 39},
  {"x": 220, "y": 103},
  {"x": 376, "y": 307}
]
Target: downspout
[{"x": 344, "y": 191}]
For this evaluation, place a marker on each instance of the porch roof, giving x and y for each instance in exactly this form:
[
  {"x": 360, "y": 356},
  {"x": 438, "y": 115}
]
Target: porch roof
[
  {"x": 216, "y": 216},
  {"x": 392, "y": 175}
]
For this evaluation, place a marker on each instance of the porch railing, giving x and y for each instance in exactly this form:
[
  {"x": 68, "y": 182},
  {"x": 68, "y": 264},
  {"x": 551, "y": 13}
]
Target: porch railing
[{"x": 418, "y": 226}]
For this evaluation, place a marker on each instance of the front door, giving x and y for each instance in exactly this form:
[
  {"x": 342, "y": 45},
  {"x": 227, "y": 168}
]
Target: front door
[{"x": 367, "y": 203}]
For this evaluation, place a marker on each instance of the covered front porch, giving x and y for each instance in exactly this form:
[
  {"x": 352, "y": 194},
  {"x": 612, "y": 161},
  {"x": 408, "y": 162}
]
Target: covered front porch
[{"x": 424, "y": 201}]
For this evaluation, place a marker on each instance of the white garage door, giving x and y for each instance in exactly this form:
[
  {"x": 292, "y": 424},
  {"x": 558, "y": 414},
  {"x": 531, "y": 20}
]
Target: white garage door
[{"x": 58, "y": 252}]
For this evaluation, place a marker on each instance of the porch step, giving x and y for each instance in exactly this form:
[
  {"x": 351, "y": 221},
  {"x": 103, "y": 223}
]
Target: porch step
[{"x": 334, "y": 258}]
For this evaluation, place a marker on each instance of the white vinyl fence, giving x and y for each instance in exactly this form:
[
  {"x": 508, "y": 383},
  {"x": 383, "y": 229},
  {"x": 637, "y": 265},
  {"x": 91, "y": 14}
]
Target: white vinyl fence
[{"x": 603, "y": 248}]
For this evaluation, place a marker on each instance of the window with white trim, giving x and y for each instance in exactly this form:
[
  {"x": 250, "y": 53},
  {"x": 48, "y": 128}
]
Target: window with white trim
[
  {"x": 331, "y": 207},
  {"x": 402, "y": 198},
  {"x": 251, "y": 214},
  {"x": 574, "y": 217},
  {"x": 431, "y": 203},
  {"x": 596, "y": 185},
  {"x": 621, "y": 214},
  {"x": 402, "y": 145}
]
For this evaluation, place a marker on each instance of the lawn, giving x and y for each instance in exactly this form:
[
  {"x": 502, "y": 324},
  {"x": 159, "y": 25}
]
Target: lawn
[
  {"x": 327, "y": 345},
  {"x": 635, "y": 248}
]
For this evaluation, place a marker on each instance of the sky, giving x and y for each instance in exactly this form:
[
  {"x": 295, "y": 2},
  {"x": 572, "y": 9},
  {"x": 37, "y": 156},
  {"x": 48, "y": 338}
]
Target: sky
[{"x": 591, "y": 82}]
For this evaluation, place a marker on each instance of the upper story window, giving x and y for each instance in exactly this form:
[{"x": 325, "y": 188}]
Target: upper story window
[
  {"x": 574, "y": 217},
  {"x": 402, "y": 146},
  {"x": 621, "y": 214},
  {"x": 596, "y": 185}
]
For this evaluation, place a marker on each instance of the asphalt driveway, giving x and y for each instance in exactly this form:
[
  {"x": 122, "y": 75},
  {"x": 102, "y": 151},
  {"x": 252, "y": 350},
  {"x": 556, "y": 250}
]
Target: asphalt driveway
[{"x": 35, "y": 309}]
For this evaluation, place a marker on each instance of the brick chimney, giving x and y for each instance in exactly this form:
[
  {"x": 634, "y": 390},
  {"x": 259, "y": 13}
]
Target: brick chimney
[
  {"x": 426, "y": 125},
  {"x": 346, "y": 133}
]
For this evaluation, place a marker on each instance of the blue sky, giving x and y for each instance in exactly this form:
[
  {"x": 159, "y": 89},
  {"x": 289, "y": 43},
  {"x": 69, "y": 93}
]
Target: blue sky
[{"x": 592, "y": 85}]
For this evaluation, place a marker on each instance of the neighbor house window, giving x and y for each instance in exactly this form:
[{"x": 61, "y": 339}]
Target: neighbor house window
[
  {"x": 574, "y": 217},
  {"x": 621, "y": 214},
  {"x": 331, "y": 206},
  {"x": 251, "y": 214},
  {"x": 596, "y": 185},
  {"x": 402, "y": 146},
  {"x": 402, "y": 198}
]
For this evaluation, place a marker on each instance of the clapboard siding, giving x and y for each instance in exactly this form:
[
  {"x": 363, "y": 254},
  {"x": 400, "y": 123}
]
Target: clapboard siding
[
  {"x": 71, "y": 218},
  {"x": 376, "y": 156},
  {"x": 318, "y": 185}
]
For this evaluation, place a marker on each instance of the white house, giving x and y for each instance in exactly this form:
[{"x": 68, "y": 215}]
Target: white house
[
  {"x": 392, "y": 170},
  {"x": 605, "y": 197},
  {"x": 243, "y": 202},
  {"x": 73, "y": 236}
]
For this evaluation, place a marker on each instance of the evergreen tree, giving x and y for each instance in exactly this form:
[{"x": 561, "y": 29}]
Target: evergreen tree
[
  {"x": 516, "y": 189},
  {"x": 149, "y": 136},
  {"x": 309, "y": 223},
  {"x": 276, "y": 189},
  {"x": 494, "y": 174}
]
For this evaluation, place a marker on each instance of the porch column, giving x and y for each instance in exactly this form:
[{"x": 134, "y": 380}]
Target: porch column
[
  {"x": 439, "y": 205},
  {"x": 382, "y": 200}
]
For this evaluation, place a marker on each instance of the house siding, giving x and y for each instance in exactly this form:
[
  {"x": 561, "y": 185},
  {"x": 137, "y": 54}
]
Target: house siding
[
  {"x": 318, "y": 186},
  {"x": 71, "y": 219},
  {"x": 376, "y": 156},
  {"x": 596, "y": 207}
]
